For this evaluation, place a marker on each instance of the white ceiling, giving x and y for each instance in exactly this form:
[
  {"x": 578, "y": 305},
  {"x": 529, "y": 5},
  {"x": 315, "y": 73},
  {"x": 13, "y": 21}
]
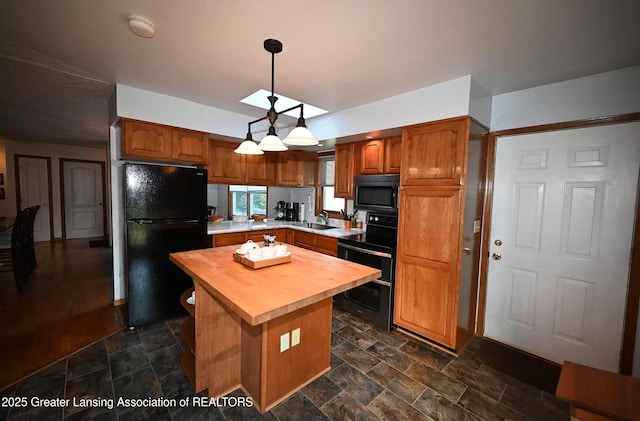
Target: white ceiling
[{"x": 60, "y": 59}]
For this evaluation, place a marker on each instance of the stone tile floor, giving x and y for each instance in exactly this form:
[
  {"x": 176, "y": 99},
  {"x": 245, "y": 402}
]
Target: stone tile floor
[{"x": 375, "y": 375}]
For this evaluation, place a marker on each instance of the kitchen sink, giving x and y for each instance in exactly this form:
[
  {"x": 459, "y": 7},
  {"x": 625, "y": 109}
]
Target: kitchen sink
[{"x": 314, "y": 226}]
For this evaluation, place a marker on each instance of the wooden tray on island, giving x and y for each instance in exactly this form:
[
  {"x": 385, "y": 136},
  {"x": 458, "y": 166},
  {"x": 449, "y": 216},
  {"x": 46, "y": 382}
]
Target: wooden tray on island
[{"x": 262, "y": 262}]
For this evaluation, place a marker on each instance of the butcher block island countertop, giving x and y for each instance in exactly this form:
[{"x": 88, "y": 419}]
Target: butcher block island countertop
[{"x": 243, "y": 315}]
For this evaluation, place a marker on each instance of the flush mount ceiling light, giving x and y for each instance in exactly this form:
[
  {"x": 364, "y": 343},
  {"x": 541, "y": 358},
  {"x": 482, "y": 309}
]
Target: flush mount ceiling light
[
  {"x": 300, "y": 135},
  {"x": 141, "y": 27}
]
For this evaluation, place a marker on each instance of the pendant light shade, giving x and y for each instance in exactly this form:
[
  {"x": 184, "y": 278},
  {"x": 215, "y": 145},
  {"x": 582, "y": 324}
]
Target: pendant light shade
[
  {"x": 300, "y": 135},
  {"x": 272, "y": 143},
  {"x": 248, "y": 147}
]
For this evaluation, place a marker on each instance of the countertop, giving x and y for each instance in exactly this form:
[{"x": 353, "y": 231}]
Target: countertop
[
  {"x": 230, "y": 226},
  {"x": 260, "y": 295}
]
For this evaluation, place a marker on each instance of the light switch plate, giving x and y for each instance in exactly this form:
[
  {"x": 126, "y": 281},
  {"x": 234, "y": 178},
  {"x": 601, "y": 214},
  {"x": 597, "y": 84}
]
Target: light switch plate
[
  {"x": 295, "y": 337},
  {"x": 284, "y": 342}
]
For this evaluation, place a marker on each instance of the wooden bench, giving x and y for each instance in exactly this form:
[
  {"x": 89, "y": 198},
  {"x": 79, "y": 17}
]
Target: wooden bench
[{"x": 598, "y": 395}]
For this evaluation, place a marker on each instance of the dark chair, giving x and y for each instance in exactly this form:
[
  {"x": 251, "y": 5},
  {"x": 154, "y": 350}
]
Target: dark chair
[
  {"x": 20, "y": 257},
  {"x": 31, "y": 252},
  {"x": 15, "y": 258}
]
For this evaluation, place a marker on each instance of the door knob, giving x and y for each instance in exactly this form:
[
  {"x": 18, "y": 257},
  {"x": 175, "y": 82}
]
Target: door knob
[
  {"x": 498, "y": 242},
  {"x": 496, "y": 256},
  {"x": 466, "y": 250}
]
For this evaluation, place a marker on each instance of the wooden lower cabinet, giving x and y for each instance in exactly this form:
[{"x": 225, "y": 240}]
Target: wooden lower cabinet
[
  {"x": 326, "y": 245},
  {"x": 307, "y": 240},
  {"x": 304, "y": 239},
  {"x": 256, "y": 236},
  {"x": 227, "y": 239},
  {"x": 316, "y": 242},
  {"x": 428, "y": 263}
]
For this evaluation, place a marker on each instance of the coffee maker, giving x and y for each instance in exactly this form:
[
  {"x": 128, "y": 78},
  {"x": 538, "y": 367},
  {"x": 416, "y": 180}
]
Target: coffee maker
[
  {"x": 293, "y": 210},
  {"x": 281, "y": 211}
]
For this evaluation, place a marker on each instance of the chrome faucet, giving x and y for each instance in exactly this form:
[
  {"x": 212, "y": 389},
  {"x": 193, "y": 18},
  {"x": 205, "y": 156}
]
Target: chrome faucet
[{"x": 324, "y": 217}]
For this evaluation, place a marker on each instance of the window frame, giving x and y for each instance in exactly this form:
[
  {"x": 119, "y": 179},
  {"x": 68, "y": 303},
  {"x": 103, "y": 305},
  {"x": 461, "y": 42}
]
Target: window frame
[
  {"x": 248, "y": 193},
  {"x": 320, "y": 187}
]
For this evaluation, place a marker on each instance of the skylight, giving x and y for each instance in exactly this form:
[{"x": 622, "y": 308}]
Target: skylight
[{"x": 259, "y": 99}]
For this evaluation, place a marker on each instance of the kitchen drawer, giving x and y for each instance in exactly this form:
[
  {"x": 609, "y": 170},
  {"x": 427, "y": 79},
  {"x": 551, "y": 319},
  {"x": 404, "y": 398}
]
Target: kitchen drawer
[
  {"x": 228, "y": 239},
  {"x": 326, "y": 245},
  {"x": 303, "y": 239}
]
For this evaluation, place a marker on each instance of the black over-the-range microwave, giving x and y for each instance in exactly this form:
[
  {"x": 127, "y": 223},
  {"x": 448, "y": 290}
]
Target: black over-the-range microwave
[{"x": 376, "y": 192}]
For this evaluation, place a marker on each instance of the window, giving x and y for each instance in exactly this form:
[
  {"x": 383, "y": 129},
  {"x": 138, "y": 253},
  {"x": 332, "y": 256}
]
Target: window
[
  {"x": 327, "y": 176},
  {"x": 247, "y": 200}
]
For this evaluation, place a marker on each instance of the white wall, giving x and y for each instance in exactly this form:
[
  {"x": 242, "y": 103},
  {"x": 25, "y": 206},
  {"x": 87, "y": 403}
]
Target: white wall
[
  {"x": 480, "y": 102},
  {"x": 157, "y": 108},
  {"x": 444, "y": 100},
  {"x": 604, "y": 94},
  {"x": 54, "y": 151},
  {"x": 117, "y": 216}
]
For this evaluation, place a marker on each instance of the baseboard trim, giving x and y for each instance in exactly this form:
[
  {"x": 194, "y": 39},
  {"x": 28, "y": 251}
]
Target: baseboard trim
[{"x": 120, "y": 302}]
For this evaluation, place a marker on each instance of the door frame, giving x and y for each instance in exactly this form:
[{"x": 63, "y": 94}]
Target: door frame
[
  {"x": 633, "y": 289},
  {"x": 62, "y": 201},
  {"x": 16, "y": 164}
]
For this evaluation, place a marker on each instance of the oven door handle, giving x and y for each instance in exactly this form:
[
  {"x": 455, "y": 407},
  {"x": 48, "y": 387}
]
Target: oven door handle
[
  {"x": 362, "y": 250},
  {"x": 381, "y": 282}
]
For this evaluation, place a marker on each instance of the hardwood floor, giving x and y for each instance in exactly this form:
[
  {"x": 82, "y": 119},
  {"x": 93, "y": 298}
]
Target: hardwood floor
[{"x": 66, "y": 305}]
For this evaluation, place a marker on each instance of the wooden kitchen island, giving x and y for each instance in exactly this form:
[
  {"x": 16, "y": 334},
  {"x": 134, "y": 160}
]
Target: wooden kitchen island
[{"x": 241, "y": 315}]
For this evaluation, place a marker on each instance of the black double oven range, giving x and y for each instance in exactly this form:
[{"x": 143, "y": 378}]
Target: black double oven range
[{"x": 373, "y": 301}]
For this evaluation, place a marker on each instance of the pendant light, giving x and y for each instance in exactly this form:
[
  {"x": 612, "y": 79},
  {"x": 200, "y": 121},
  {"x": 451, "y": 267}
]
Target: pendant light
[{"x": 300, "y": 135}]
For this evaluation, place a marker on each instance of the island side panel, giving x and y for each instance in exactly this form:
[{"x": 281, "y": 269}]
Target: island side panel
[
  {"x": 218, "y": 336},
  {"x": 287, "y": 372},
  {"x": 250, "y": 371}
]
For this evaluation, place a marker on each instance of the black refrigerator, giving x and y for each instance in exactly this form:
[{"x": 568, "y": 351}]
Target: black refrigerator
[{"x": 166, "y": 212}]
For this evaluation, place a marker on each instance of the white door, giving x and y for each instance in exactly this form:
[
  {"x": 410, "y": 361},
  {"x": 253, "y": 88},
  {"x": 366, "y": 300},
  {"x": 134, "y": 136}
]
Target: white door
[
  {"x": 84, "y": 212},
  {"x": 563, "y": 208},
  {"x": 33, "y": 176}
]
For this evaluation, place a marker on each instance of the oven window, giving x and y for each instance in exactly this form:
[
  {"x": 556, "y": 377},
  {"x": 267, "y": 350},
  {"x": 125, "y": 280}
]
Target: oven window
[{"x": 367, "y": 295}]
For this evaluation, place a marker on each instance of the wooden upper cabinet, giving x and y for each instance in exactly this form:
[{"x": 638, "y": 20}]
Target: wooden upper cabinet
[
  {"x": 435, "y": 153},
  {"x": 189, "y": 146},
  {"x": 372, "y": 157},
  {"x": 225, "y": 166},
  {"x": 159, "y": 142},
  {"x": 296, "y": 168},
  {"x": 392, "y": 155},
  {"x": 344, "y": 171},
  {"x": 146, "y": 140},
  {"x": 261, "y": 169}
]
